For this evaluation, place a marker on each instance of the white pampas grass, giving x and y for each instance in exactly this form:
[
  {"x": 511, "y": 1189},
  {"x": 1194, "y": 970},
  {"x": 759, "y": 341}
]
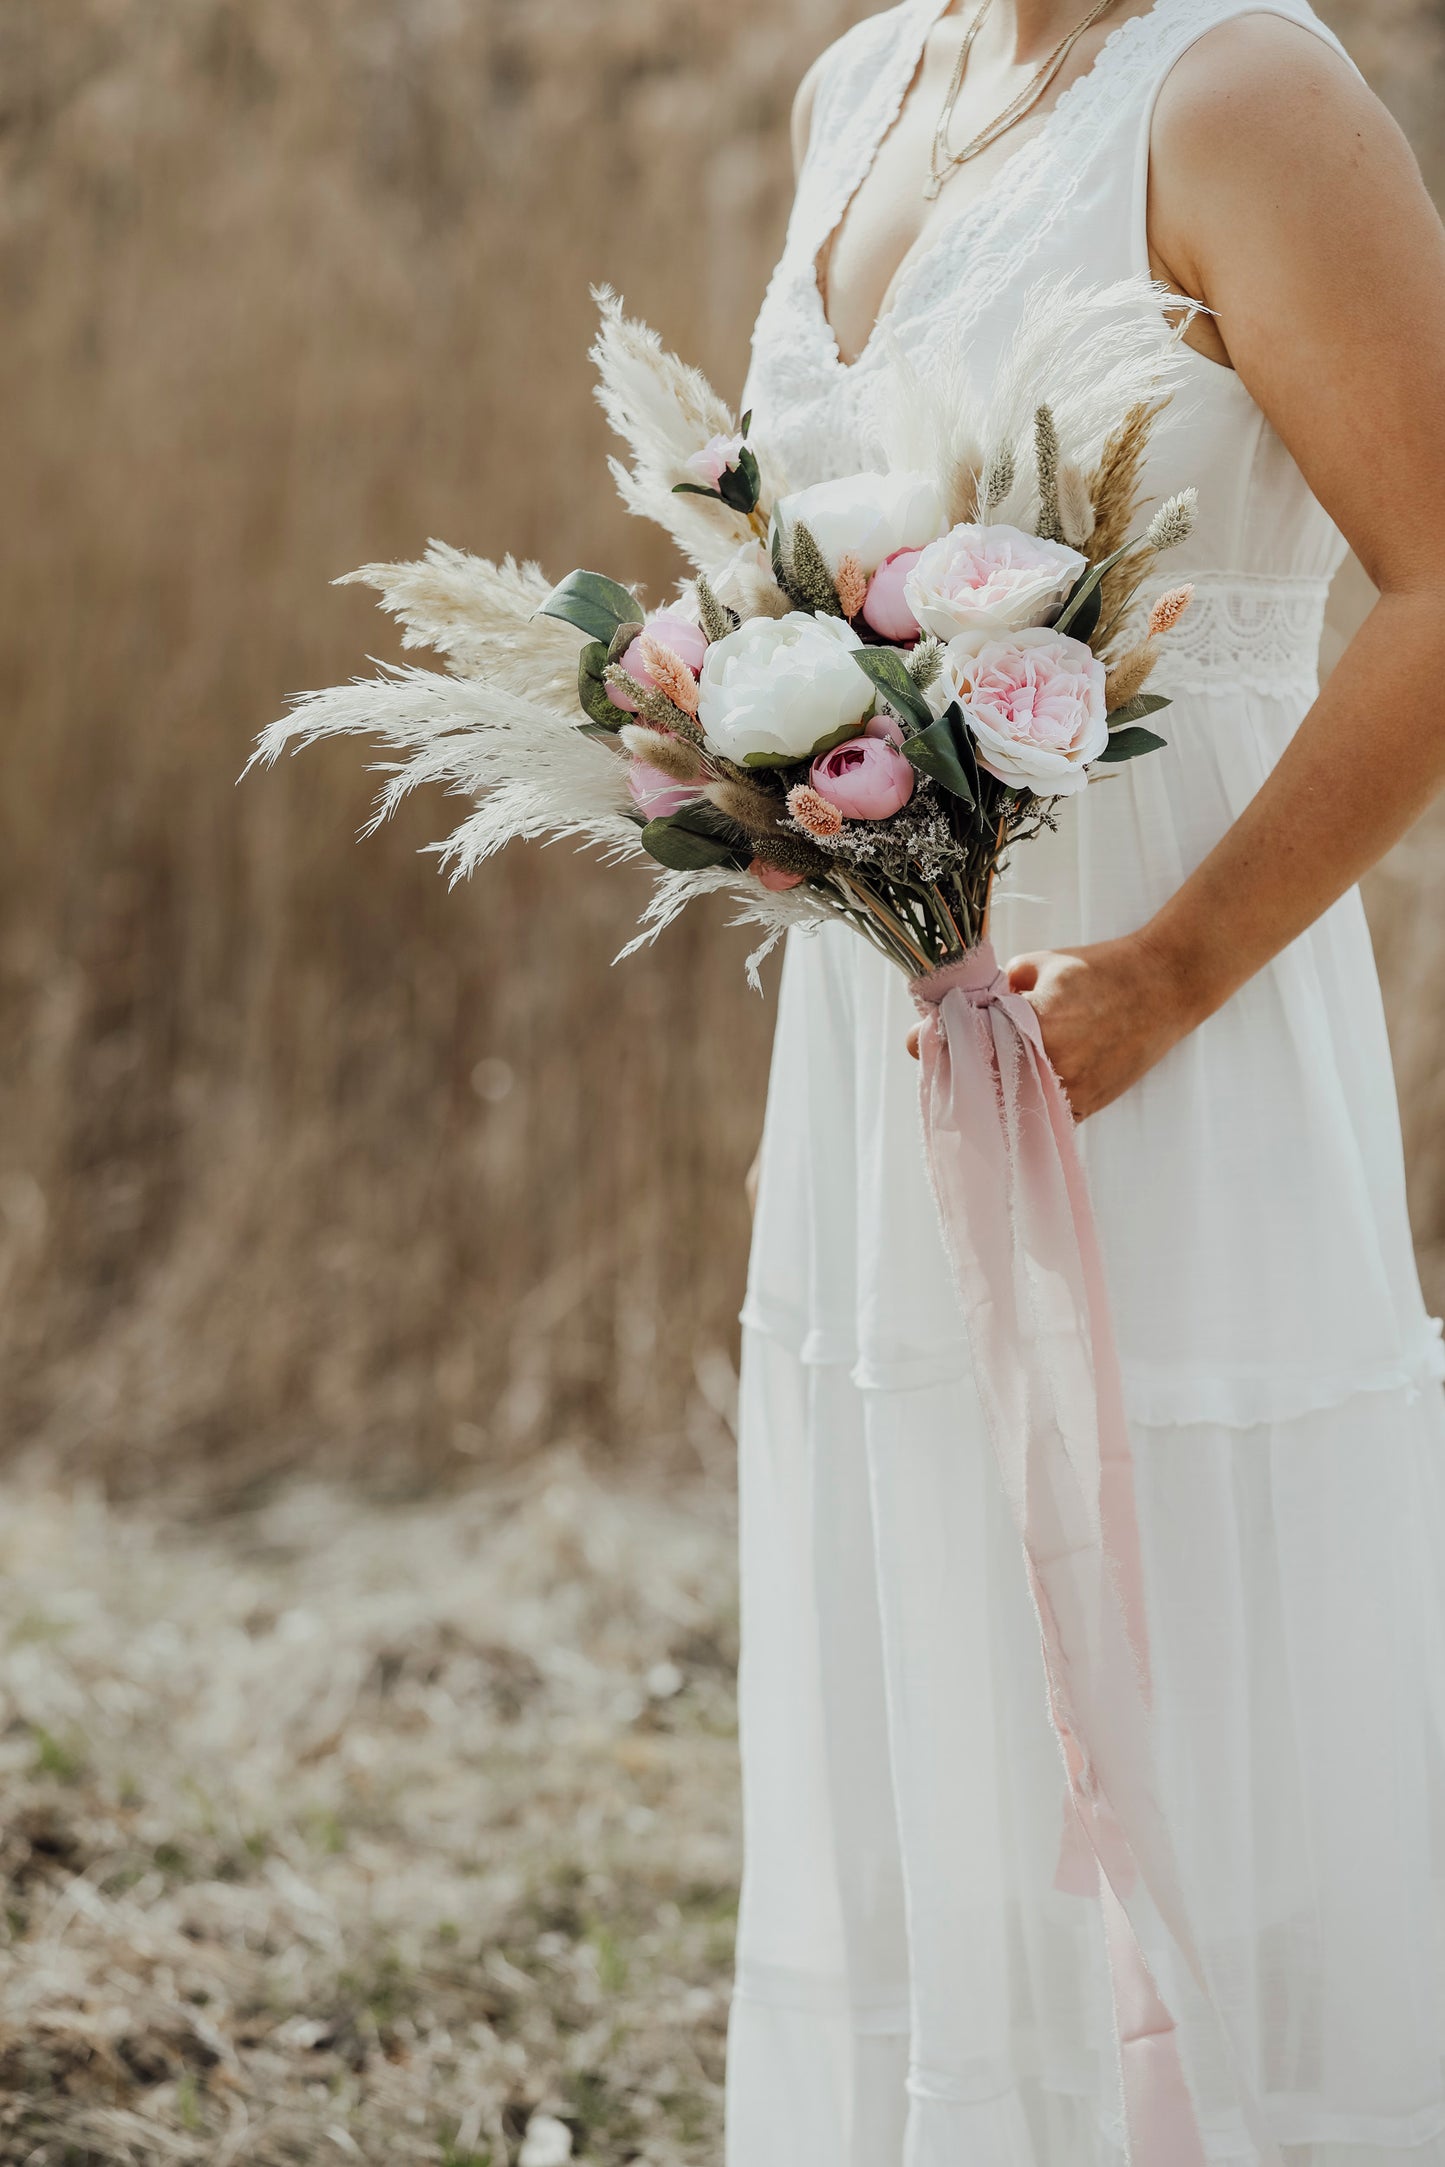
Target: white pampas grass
[
  {"x": 664, "y": 411},
  {"x": 930, "y": 424},
  {"x": 1092, "y": 352},
  {"x": 777, "y": 912},
  {"x": 483, "y": 618},
  {"x": 532, "y": 775}
]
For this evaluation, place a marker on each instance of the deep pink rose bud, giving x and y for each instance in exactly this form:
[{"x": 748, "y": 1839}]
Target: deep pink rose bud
[
  {"x": 867, "y": 779},
  {"x": 884, "y": 607},
  {"x": 687, "y": 641},
  {"x": 658, "y": 795}
]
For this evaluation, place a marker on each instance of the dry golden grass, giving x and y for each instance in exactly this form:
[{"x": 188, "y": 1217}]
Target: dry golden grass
[
  {"x": 342, "y": 1832},
  {"x": 301, "y": 1157}
]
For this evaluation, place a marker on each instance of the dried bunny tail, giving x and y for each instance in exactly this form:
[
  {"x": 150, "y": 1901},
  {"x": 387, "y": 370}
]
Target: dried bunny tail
[
  {"x": 664, "y": 411},
  {"x": 530, "y": 774},
  {"x": 670, "y": 755},
  {"x": 929, "y": 423},
  {"x": 1130, "y": 674},
  {"x": 1076, "y": 510},
  {"x": 1093, "y": 353},
  {"x": 482, "y": 616}
]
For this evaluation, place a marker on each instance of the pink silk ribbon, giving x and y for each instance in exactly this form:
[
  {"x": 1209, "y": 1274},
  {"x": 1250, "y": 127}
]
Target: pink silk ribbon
[{"x": 1020, "y": 1235}]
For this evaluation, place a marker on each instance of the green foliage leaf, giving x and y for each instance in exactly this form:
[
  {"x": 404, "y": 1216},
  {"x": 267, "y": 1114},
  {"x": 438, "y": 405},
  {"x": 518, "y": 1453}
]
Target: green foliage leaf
[
  {"x": 889, "y": 672},
  {"x": 945, "y": 752},
  {"x": 746, "y": 423},
  {"x": 697, "y": 489},
  {"x": 1127, "y": 744},
  {"x": 593, "y": 603},
  {"x": 792, "y": 759},
  {"x": 1143, "y": 703},
  {"x": 592, "y": 690},
  {"x": 694, "y": 840},
  {"x": 1085, "y": 598},
  {"x": 742, "y": 485}
]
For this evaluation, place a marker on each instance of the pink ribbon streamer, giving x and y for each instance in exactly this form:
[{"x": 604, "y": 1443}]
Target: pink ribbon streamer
[{"x": 1020, "y": 1235}]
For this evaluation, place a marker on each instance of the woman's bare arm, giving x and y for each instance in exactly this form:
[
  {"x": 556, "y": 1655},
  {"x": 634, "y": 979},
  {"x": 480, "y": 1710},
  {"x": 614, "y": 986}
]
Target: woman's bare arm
[{"x": 1284, "y": 197}]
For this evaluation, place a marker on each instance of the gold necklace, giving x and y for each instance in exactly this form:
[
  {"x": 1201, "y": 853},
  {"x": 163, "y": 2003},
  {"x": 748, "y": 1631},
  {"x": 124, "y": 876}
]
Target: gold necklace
[{"x": 942, "y": 161}]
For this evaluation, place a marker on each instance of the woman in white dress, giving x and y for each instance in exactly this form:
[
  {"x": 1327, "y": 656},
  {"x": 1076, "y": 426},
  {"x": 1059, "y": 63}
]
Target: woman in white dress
[{"x": 911, "y": 1985}]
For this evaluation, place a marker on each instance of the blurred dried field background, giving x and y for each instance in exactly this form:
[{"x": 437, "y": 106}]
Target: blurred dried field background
[{"x": 369, "y": 1816}]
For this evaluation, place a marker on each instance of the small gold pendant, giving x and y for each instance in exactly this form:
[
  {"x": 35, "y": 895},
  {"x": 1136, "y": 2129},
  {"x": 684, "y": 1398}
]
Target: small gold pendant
[{"x": 931, "y": 187}]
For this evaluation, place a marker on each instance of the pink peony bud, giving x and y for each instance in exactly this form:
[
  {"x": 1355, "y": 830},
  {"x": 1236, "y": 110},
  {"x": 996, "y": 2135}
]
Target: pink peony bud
[
  {"x": 687, "y": 641},
  {"x": 773, "y": 877},
  {"x": 658, "y": 795},
  {"x": 885, "y": 608},
  {"x": 867, "y": 779},
  {"x": 709, "y": 465},
  {"x": 885, "y": 726}
]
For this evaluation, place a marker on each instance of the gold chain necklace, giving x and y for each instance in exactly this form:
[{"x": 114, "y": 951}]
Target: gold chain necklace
[{"x": 942, "y": 161}]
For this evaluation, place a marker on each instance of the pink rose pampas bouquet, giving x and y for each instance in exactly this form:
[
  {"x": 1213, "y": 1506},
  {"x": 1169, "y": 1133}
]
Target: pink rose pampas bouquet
[{"x": 867, "y": 694}]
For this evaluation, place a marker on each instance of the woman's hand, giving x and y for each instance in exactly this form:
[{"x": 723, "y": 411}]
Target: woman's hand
[{"x": 1108, "y": 1013}]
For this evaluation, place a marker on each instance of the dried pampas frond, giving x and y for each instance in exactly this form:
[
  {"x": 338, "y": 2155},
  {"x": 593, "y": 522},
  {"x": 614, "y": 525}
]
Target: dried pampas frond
[
  {"x": 1094, "y": 353},
  {"x": 483, "y": 618},
  {"x": 776, "y": 913},
  {"x": 531, "y": 776},
  {"x": 664, "y": 411}
]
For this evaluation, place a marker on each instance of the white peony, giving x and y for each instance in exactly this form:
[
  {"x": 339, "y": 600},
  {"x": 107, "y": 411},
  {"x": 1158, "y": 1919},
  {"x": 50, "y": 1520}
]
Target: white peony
[
  {"x": 783, "y": 687},
  {"x": 990, "y": 580},
  {"x": 1034, "y": 701},
  {"x": 866, "y": 516}
]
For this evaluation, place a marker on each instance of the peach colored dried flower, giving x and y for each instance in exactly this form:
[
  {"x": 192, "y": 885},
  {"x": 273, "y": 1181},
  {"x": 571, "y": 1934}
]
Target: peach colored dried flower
[
  {"x": 812, "y": 812},
  {"x": 1168, "y": 610},
  {"x": 670, "y": 674},
  {"x": 852, "y": 585}
]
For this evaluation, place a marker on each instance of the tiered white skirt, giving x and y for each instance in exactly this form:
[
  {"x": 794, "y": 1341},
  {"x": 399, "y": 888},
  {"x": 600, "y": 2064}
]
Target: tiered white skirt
[{"x": 912, "y": 1990}]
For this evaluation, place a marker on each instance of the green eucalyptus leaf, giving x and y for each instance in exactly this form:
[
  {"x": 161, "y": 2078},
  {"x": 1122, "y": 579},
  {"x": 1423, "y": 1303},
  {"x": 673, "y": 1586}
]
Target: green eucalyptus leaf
[
  {"x": 888, "y": 671},
  {"x": 696, "y": 489},
  {"x": 592, "y": 690},
  {"x": 622, "y": 639},
  {"x": 833, "y": 739},
  {"x": 593, "y": 603},
  {"x": 746, "y": 423},
  {"x": 1085, "y": 588},
  {"x": 944, "y": 751},
  {"x": 1143, "y": 703},
  {"x": 682, "y": 849},
  {"x": 1127, "y": 744}
]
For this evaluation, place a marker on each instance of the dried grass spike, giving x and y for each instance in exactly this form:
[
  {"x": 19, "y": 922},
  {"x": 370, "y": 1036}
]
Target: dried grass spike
[
  {"x": 1130, "y": 674},
  {"x": 1046, "y": 458},
  {"x": 925, "y": 662},
  {"x": 1173, "y": 523},
  {"x": 813, "y": 813},
  {"x": 811, "y": 575},
  {"x": 717, "y": 619},
  {"x": 754, "y": 807},
  {"x": 851, "y": 585},
  {"x": 997, "y": 479},
  {"x": 1076, "y": 511},
  {"x": 1168, "y": 610},
  {"x": 1114, "y": 483},
  {"x": 672, "y": 756},
  {"x": 672, "y": 674},
  {"x": 653, "y": 706}
]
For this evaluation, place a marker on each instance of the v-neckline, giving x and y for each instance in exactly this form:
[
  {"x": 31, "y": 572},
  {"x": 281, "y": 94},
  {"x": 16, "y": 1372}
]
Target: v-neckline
[{"x": 930, "y": 14}]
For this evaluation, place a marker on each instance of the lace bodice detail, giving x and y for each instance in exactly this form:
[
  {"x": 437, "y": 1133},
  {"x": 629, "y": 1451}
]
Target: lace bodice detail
[{"x": 1071, "y": 199}]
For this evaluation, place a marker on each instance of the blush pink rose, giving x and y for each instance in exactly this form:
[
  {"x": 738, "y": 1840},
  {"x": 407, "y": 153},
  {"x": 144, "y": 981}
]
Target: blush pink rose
[
  {"x": 1034, "y": 701},
  {"x": 687, "y": 641},
  {"x": 990, "y": 580},
  {"x": 867, "y": 779},
  {"x": 709, "y": 465},
  {"x": 658, "y": 795},
  {"x": 885, "y": 607},
  {"x": 773, "y": 877}
]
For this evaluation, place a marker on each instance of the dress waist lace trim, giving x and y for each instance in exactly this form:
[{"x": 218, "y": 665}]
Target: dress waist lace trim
[{"x": 1243, "y": 631}]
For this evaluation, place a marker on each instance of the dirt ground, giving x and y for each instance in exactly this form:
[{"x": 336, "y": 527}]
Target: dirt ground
[{"x": 372, "y": 1832}]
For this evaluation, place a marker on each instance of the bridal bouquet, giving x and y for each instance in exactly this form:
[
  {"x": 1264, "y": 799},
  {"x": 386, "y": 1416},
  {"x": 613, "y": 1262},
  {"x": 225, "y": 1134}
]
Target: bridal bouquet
[
  {"x": 867, "y": 694},
  {"x": 869, "y": 691}
]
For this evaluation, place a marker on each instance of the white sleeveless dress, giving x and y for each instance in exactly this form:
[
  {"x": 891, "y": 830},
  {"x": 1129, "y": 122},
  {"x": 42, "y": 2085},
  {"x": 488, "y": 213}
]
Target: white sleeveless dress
[{"x": 912, "y": 1991}]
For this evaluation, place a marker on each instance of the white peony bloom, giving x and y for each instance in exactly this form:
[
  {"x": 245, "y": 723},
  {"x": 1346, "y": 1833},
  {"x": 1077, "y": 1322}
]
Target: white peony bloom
[
  {"x": 782, "y": 686},
  {"x": 990, "y": 580},
  {"x": 1034, "y": 701},
  {"x": 866, "y": 516}
]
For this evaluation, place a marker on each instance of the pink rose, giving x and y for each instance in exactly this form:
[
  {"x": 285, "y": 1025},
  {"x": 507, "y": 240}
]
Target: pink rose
[
  {"x": 990, "y": 580},
  {"x": 687, "y": 641},
  {"x": 658, "y": 795},
  {"x": 709, "y": 465},
  {"x": 867, "y": 779},
  {"x": 1034, "y": 701},
  {"x": 773, "y": 877},
  {"x": 885, "y": 607}
]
